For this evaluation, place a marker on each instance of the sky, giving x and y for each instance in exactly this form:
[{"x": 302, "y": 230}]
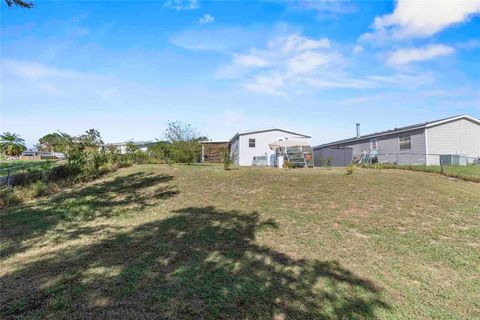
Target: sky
[{"x": 126, "y": 68}]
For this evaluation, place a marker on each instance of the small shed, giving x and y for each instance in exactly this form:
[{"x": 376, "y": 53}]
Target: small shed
[
  {"x": 212, "y": 150},
  {"x": 339, "y": 156}
]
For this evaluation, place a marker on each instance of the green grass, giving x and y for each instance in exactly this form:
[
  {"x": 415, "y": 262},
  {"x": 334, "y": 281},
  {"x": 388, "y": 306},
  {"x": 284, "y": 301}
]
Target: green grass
[
  {"x": 21, "y": 165},
  {"x": 468, "y": 173},
  {"x": 198, "y": 242}
]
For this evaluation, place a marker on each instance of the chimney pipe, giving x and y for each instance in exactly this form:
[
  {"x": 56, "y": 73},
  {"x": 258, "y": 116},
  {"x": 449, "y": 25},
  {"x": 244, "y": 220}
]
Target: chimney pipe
[{"x": 358, "y": 130}]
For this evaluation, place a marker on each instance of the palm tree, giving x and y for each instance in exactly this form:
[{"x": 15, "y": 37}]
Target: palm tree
[
  {"x": 20, "y": 3},
  {"x": 12, "y": 144}
]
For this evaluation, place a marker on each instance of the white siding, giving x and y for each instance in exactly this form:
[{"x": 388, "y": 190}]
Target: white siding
[
  {"x": 262, "y": 141},
  {"x": 457, "y": 137}
]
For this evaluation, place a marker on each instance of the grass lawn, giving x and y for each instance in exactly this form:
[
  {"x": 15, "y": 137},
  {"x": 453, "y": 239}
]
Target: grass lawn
[
  {"x": 469, "y": 173},
  {"x": 198, "y": 242},
  {"x": 20, "y": 165}
]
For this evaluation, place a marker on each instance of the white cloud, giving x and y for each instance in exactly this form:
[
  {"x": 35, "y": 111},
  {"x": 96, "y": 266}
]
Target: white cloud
[
  {"x": 357, "y": 49},
  {"x": 250, "y": 60},
  {"x": 285, "y": 61},
  {"x": 271, "y": 84},
  {"x": 309, "y": 61},
  {"x": 206, "y": 19},
  {"x": 291, "y": 64},
  {"x": 405, "y": 56},
  {"x": 181, "y": 4},
  {"x": 412, "y": 19},
  {"x": 297, "y": 43}
]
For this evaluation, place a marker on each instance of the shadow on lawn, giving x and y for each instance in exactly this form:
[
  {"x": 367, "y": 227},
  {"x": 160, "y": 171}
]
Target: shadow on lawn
[
  {"x": 201, "y": 263},
  {"x": 69, "y": 210}
]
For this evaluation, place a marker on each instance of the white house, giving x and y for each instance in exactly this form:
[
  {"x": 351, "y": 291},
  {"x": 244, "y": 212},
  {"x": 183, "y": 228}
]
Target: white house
[
  {"x": 122, "y": 146},
  {"x": 253, "y": 147}
]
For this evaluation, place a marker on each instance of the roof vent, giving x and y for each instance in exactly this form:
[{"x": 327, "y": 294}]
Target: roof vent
[{"x": 358, "y": 130}]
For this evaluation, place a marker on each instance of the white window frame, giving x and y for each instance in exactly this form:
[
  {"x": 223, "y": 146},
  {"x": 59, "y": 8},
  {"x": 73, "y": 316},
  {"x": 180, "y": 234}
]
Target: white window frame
[{"x": 250, "y": 142}]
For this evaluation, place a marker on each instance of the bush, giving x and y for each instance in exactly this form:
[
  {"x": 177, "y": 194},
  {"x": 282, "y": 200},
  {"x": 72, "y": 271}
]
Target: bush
[
  {"x": 9, "y": 197},
  {"x": 36, "y": 189},
  {"x": 227, "y": 158},
  {"x": 350, "y": 169},
  {"x": 329, "y": 162},
  {"x": 287, "y": 165},
  {"x": 184, "y": 146}
]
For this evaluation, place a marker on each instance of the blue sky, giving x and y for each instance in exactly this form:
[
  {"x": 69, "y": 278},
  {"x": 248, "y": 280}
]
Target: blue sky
[{"x": 128, "y": 67}]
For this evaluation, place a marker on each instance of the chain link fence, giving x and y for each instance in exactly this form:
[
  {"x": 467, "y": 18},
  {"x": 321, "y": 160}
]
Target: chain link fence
[
  {"x": 420, "y": 159},
  {"x": 25, "y": 173}
]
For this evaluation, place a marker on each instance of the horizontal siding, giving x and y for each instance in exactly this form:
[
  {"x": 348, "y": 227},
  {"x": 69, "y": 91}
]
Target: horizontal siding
[
  {"x": 262, "y": 145},
  {"x": 389, "y": 148},
  {"x": 457, "y": 137}
]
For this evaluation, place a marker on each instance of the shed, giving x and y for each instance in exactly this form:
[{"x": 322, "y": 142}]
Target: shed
[
  {"x": 212, "y": 150},
  {"x": 340, "y": 156}
]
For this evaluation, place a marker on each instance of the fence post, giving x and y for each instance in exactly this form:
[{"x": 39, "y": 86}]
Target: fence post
[
  {"x": 8, "y": 178},
  {"x": 441, "y": 165}
]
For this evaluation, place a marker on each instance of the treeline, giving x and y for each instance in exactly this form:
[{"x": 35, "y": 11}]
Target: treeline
[
  {"x": 180, "y": 145},
  {"x": 87, "y": 157}
]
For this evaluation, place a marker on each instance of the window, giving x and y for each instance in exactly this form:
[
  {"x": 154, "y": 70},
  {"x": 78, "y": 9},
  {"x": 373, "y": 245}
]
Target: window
[
  {"x": 405, "y": 142},
  {"x": 374, "y": 144},
  {"x": 251, "y": 143}
]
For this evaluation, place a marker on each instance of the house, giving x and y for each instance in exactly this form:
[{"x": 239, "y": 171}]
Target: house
[
  {"x": 254, "y": 147},
  {"x": 422, "y": 143},
  {"x": 123, "y": 146},
  {"x": 33, "y": 154}
]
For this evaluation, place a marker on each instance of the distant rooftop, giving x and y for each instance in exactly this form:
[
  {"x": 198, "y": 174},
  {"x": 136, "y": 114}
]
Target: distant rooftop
[{"x": 137, "y": 143}]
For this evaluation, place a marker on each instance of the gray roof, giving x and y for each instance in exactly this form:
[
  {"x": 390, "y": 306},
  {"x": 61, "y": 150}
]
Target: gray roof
[{"x": 401, "y": 129}]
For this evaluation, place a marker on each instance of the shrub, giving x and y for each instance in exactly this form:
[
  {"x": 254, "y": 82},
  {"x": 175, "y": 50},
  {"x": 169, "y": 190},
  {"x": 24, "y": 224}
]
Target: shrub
[
  {"x": 9, "y": 197},
  {"x": 287, "y": 165},
  {"x": 36, "y": 189},
  {"x": 350, "y": 169},
  {"x": 226, "y": 158},
  {"x": 329, "y": 162},
  {"x": 184, "y": 142},
  {"x": 378, "y": 166}
]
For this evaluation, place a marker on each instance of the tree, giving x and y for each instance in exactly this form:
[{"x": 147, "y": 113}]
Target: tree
[
  {"x": 12, "y": 144},
  {"x": 91, "y": 140},
  {"x": 184, "y": 142},
  {"x": 160, "y": 150},
  {"x": 227, "y": 158},
  {"x": 131, "y": 147},
  {"x": 20, "y": 3},
  {"x": 52, "y": 142}
]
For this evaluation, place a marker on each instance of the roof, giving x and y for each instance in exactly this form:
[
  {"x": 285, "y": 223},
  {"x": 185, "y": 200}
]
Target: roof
[
  {"x": 265, "y": 130},
  {"x": 137, "y": 143},
  {"x": 288, "y": 143},
  {"x": 402, "y": 129},
  {"x": 213, "y": 141}
]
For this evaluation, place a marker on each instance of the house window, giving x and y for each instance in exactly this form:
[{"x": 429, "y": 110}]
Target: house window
[
  {"x": 405, "y": 142},
  {"x": 374, "y": 144},
  {"x": 251, "y": 143}
]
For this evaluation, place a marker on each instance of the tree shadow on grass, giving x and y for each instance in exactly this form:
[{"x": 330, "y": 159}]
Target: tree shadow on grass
[
  {"x": 72, "y": 209},
  {"x": 200, "y": 263}
]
